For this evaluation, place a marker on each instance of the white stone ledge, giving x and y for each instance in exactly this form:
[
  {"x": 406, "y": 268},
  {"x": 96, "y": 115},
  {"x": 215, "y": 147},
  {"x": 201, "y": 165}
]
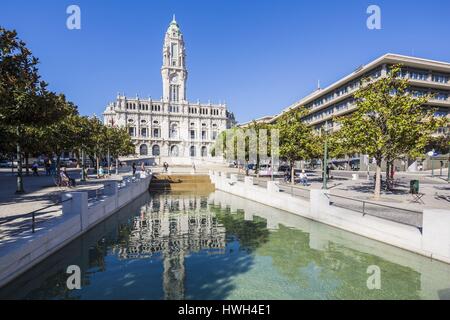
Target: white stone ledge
[
  {"x": 433, "y": 242},
  {"x": 26, "y": 252}
]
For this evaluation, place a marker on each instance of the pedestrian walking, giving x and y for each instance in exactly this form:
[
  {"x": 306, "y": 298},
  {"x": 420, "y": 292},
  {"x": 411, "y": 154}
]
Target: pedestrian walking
[
  {"x": 133, "y": 166},
  {"x": 304, "y": 178},
  {"x": 35, "y": 168},
  {"x": 47, "y": 167}
]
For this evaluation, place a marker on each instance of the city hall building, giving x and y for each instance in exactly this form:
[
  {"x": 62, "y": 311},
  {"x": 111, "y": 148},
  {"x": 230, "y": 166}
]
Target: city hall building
[{"x": 171, "y": 129}]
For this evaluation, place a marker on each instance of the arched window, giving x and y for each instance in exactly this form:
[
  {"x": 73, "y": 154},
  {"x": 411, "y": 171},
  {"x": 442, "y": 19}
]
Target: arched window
[
  {"x": 204, "y": 151},
  {"x": 143, "y": 150},
  {"x": 156, "y": 150},
  {"x": 192, "y": 151},
  {"x": 174, "y": 151}
]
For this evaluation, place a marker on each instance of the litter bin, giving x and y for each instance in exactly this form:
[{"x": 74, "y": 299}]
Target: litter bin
[{"x": 414, "y": 186}]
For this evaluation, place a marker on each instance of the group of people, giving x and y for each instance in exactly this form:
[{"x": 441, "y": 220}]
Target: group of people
[
  {"x": 134, "y": 167},
  {"x": 49, "y": 166},
  {"x": 303, "y": 177}
]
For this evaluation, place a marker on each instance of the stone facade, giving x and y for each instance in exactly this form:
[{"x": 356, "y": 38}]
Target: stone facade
[{"x": 171, "y": 127}]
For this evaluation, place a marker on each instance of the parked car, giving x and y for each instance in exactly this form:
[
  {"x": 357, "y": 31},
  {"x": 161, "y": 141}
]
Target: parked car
[
  {"x": 265, "y": 170},
  {"x": 8, "y": 164},
  {"x": 284, "y": 168}
]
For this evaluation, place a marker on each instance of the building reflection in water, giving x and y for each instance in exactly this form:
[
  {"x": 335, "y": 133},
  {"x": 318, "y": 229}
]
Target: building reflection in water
[
  {"x": 261, "y": 252},
  {"x": 173, "y": 226}
]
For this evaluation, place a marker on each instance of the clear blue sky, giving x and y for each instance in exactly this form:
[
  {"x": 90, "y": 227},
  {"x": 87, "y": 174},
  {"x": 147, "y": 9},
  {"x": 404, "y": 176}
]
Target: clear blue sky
[{"x": 257, "y": 55}]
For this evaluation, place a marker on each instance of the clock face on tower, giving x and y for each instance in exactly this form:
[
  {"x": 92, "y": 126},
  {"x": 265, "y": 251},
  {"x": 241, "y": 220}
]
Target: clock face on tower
[{"x": 174, "y": 79}]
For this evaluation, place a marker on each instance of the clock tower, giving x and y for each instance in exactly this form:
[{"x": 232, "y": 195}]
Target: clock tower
[{"x": 173, "y": 71}]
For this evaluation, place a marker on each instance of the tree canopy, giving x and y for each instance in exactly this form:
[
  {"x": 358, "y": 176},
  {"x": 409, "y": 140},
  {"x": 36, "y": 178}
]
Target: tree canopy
[{"x": 389, "y": 122}]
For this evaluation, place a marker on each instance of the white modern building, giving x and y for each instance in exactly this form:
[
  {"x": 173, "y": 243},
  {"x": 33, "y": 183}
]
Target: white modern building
[
  {"x": 425, "y": 77},
  {"x": 325, "y": 104},
  {"x": 170, "y": 129}
]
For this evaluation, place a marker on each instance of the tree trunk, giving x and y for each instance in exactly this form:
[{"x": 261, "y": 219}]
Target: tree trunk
[
  {"x": 19, "y": 169},
  {"x": 392, "y": 171},
  {"x": 377, "y": 192},
  {"x": 257, "y": 168},
  {"x": 98, "y": 166},
  {"x": 78, "y": 159},
  {"x": 388, "y": 187},
  {"x": 27, "y": 169},
  {"x": 58, "y": 164},
  {"x": 92, "y": 161},
  {"x": 292, "y": 173}
]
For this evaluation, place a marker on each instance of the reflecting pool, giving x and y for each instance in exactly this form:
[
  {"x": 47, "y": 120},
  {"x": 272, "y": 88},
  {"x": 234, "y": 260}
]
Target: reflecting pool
[{"x": 219, "y": 246}]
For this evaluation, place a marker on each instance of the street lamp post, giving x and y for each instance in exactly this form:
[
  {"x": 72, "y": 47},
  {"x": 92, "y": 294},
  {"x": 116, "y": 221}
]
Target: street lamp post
[
  {"x": 272, "y": 166},
  {"x": 325, "y": 165},
  {"x": 83, "y": 175},
  {"x": 431, "y": 155},
  {"x": 432, "y": 167},
  {"x": 19, "y": 189},
  {"x": 448, "y": 169},
  {"x": 109, "y": 163}
]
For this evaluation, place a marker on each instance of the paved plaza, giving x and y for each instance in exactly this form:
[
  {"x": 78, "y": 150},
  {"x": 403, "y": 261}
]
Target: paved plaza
[
  {"x": 42, "y": 197},
  {"x": 42, "y": 194}
]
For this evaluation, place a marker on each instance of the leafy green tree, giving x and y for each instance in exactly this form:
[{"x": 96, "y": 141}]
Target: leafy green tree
[
  {"x": 62, "y": 135},
  {"x": 24, "y": 98},
  {"x": 389, "y": 121},
  {"x": 95, "y": 144},
  {"x": 118, "y": 143},
  {"x": 220, "y": 146},
  {"x": 439, "y": 143},
  {"x": 297, "y": 140},
  {"x": 255, "y": 144}
]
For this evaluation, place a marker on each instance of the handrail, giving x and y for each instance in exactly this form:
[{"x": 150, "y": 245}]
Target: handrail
[
  {"x": 33, "y": 214},
  {"x": 373, "y": 203},
  {"x": 420, "y": 228},
  {"x": 4, "y": 220},
  {"x": 290, "y": 185}
]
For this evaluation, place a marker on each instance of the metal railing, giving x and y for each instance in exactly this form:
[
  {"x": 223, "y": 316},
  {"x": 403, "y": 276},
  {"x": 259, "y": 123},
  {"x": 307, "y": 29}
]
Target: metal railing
[
  {"x": 32, "y": 214},
  {"x": 396, "y": 214},
  {"x": 93, "y": 196},
  {"x": 295, "y": 191}
]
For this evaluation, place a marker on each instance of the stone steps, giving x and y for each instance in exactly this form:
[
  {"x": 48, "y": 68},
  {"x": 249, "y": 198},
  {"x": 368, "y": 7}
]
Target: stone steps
[{"x": 165, "y": 182}]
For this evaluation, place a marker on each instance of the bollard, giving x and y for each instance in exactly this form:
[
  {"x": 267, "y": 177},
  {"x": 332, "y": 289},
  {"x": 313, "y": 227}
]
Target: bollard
[
  {"x": 272, "y": 186},
  {"x": 78, "y": 205},
  {"x": 248, "y": 181}
]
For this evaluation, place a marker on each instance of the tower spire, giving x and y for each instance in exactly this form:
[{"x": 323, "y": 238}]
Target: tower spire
[{"x": 173, "y": 18}]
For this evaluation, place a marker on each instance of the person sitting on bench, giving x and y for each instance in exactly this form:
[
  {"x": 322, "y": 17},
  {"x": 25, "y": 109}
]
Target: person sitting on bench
[
  {"x": 66, "y": 179},
  {"x": 101, "y": 172}
]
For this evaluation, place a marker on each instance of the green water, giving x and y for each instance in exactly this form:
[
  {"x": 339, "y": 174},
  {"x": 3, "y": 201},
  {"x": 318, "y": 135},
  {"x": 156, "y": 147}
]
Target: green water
[{"x": 218, "y": 246}]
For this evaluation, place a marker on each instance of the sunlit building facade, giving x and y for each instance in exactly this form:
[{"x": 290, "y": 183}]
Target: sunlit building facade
[{"x": 171, "y": 127}]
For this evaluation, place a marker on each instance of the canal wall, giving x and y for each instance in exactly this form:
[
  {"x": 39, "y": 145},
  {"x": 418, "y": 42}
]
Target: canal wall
[
  {"x": 433, "y": 241},
  {"x": 78, "y": 216}
]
